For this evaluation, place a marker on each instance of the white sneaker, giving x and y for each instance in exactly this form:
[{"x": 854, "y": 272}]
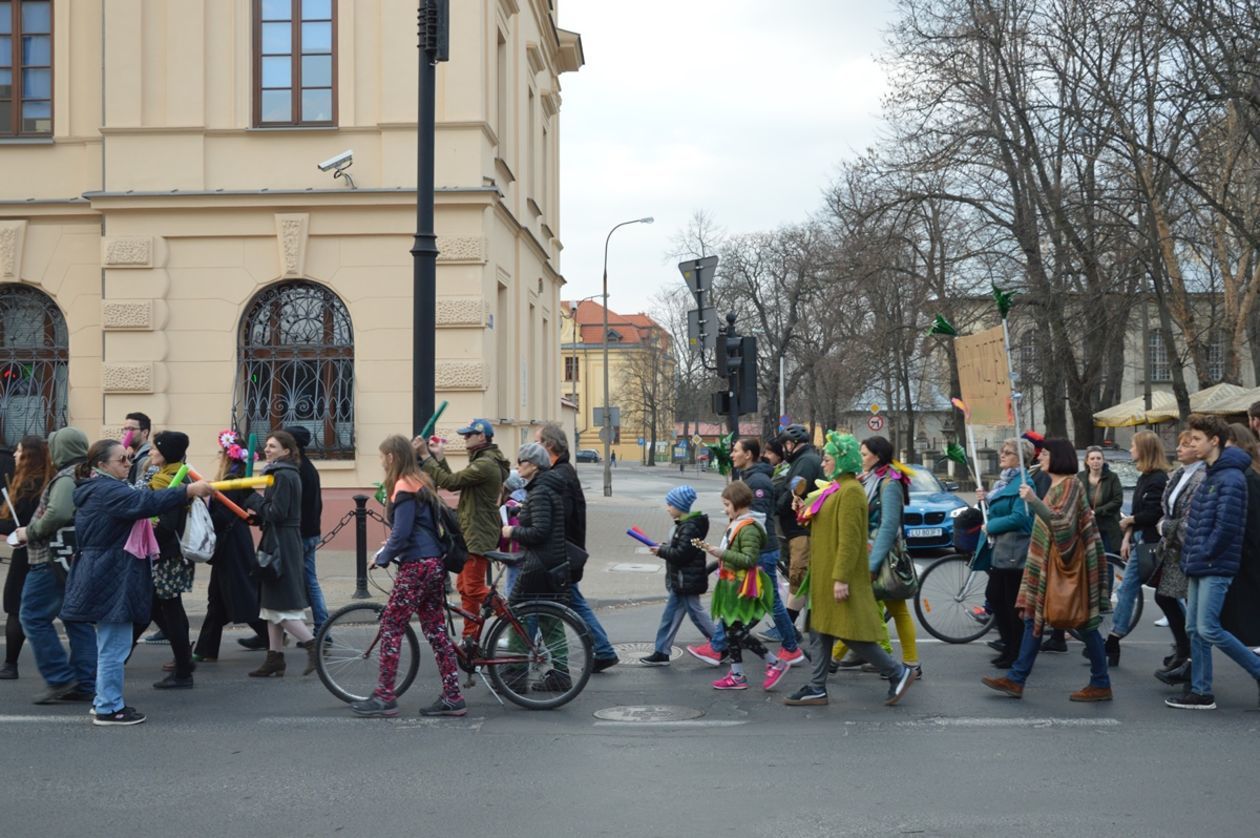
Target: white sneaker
[{"x": 1162, "y": 622}]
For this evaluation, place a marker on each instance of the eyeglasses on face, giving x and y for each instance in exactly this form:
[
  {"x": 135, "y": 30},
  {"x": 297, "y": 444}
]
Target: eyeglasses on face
[{"x": 125, "y": 458}]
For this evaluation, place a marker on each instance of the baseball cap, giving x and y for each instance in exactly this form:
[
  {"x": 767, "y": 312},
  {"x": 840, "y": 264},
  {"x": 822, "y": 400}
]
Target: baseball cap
[{"x": 477, "y": 426}]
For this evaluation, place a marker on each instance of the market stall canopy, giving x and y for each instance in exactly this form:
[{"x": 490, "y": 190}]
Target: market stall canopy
[
  {"x": 1240, "y": 402},
  {"x": 1133, "y": 412},
  {"x": 1221, "y": 399}
]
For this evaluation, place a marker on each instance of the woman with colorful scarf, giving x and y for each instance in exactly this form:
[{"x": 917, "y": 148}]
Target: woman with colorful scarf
[
  {"x": 1008, "y": 530},
  {"x": 1063, "y": 523},
  {"x": 841, "y": 600},
  {"x": 172, "y": 573},
  {"x": 887, "y": 484}
]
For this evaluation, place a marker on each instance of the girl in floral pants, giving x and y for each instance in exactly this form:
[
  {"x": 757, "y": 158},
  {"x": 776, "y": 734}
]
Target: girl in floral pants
[{"x": 415, "y": 545}]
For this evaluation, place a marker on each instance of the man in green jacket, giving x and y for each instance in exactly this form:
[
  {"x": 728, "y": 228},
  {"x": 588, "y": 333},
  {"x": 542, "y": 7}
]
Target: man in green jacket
[{"x": 479, "y": 486}]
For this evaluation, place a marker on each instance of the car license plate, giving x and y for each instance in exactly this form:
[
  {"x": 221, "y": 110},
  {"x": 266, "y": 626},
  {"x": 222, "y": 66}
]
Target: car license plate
[{"x": 927, "y": 532}]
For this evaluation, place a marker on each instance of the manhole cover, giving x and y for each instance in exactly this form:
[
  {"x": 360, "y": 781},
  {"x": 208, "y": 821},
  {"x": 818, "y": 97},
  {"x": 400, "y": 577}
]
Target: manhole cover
[
  {"x": 634, "y": 567},
  {"x": 631, "y": 652},
  {"x": 648, "y": 713}
]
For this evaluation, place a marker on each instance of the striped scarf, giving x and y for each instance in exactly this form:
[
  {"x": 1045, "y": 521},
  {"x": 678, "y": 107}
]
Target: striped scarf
[{"x": 1071, "y": 522}]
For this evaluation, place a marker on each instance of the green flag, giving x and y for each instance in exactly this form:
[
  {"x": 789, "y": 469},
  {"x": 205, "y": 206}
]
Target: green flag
[
  {"x": 1003, "y": 300},
  {"x": 941, "y": 326},
  {"x": 721, "y": 453},
  {"x": 955, "y": 452}
]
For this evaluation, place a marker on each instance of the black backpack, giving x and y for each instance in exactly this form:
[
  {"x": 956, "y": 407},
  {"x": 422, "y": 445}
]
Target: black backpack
[{"x": 450, "y": 536}]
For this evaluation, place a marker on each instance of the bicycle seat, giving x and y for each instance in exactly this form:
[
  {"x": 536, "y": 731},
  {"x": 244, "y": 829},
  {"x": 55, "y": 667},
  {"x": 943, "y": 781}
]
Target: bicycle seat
[{"x": 508, "y": 559}]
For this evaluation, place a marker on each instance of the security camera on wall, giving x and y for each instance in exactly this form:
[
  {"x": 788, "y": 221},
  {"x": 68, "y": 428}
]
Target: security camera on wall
[{"x": 338, "y": 164}]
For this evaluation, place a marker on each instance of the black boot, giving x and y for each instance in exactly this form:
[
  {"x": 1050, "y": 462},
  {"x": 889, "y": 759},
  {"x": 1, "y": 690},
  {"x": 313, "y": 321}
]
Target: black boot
[
  {"x": 1113, "y": 650},
  {"x": 1173, "y": 677}
]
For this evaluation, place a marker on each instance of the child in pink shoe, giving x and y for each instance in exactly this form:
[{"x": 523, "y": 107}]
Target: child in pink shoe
[{"x": 742, "y": 595}]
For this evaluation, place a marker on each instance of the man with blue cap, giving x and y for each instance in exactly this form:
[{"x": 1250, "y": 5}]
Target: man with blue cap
[{"x": 479, "y": 485}]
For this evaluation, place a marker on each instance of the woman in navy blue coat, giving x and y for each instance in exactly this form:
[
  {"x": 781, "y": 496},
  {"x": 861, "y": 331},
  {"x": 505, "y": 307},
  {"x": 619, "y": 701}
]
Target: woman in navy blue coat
[{"x": 109, "y": 586}]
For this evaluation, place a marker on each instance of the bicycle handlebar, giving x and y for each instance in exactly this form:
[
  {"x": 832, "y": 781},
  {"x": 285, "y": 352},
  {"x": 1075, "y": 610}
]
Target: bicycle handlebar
[{"x": 508, "y": 559}]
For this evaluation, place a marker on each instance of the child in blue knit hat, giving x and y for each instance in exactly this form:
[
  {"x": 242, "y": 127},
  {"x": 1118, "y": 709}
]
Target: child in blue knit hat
[{"x": 685, "y": 576}]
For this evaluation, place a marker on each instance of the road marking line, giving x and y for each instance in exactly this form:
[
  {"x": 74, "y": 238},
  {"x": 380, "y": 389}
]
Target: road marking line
[
  {"x": 982, "y": 721},
  {"x": 684, "y": 723},
  {"x": 52, "y": 720}
]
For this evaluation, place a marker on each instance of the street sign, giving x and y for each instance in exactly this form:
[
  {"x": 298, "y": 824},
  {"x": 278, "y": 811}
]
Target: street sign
[
  {"x": 698, "y": 273},
  {"x": 603, "y": 436},
  {"x": 641, "y": 441},
  {"x": 598, "y": 418},
  {"x": 697, "y": 439},
  {"x": 874, "y": 409},
  {"x": 702, "y": 329},
  {"x": 875, "y": 423}
]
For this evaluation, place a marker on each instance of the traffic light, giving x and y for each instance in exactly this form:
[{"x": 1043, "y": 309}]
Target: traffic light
[
  {"x": 728, "y": 360},
  {"x": 721, "y": 403},
  {"x": 747, "y": 390}
]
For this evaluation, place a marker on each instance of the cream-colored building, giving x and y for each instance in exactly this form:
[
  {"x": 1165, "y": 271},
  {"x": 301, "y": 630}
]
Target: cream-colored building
[
  {"x": 641, "y": 370},
  {"x": 168, "y": 244}
]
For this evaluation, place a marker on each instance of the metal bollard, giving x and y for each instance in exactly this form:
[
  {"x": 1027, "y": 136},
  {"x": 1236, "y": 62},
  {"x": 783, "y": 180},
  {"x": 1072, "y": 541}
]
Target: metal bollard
[{"x": 360, "y": 547}]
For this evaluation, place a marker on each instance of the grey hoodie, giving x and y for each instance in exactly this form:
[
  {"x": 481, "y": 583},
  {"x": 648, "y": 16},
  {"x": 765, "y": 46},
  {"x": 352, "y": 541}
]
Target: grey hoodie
[{"x": 68, "y": 447}]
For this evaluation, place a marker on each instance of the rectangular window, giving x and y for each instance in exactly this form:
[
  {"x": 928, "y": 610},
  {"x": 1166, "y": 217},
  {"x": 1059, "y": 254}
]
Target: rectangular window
[
  {"x": 501, "y": 94},
  {"x": 26, "y": 68},
  {"x": 1216, "y": 357},
  {"x": 295, "y": 63},
  {"x": 1158, "y": 358},
  {"x": 571, "y": 369}
]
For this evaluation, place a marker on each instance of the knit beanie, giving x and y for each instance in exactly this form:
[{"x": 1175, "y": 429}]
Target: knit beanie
[
  {"x": 172, "y": 444},
  {"x": 681, "y": 498},
  {"x": 301, "y": 435}
]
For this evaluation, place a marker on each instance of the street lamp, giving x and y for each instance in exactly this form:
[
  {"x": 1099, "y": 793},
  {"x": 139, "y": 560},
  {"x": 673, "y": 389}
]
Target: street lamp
[{"x": 607, "y": 407}]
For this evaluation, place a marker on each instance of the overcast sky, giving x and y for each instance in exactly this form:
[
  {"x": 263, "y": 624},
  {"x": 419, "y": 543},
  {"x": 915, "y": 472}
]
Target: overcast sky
[{"x": 739, "y": 108}]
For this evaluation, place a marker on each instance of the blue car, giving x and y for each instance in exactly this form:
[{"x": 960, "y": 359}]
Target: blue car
[{"x": 929, "y": 517}]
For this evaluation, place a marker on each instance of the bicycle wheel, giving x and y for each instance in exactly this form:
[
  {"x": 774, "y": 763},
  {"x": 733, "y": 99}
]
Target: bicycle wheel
[
  {"x": 349, "y": 663},
  {"x": 950, "y": 597},
  {"x": 1115, "y": 565},
  {"x": 545, "y": 665}
]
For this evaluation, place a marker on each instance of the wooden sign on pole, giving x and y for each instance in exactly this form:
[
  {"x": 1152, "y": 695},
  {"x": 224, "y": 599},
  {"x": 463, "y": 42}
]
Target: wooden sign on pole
[{"x": 982, "y": 377}]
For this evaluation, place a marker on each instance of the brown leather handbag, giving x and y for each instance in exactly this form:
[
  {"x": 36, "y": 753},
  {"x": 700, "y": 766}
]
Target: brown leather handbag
[{"x": 1067, "y": 588}]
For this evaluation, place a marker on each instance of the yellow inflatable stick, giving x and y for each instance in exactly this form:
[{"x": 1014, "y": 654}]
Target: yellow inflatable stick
[{"x": 260, "y": 482}]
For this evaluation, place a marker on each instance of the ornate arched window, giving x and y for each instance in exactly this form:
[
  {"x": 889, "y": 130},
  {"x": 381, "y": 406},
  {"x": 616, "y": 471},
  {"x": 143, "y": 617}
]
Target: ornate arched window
[
  {"x": 34, "y": 364},
  {"x": 296, "y": 367}
]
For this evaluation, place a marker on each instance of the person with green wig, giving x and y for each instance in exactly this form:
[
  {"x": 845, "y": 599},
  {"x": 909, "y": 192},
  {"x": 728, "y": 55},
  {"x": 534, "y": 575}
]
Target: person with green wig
[{"x": 841, "y": 600}]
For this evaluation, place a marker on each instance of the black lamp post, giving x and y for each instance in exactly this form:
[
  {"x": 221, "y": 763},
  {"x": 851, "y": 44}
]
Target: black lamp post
[{"x": 434, "y": 28}]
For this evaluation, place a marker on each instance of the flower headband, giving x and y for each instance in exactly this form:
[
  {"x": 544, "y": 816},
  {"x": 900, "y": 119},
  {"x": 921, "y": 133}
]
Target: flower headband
[{"x": 230, "y": 442}]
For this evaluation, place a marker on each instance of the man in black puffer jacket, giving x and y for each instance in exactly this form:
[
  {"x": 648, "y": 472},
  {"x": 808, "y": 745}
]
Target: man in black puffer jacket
[
  {"x": 552, "y": 438},
  {"x": 804, "y": 462},
  {"x": 686, "y": 576}
]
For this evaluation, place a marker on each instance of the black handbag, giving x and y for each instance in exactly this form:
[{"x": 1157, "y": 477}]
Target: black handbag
[
  {"x": 897, "y": 578},
  {"x": 1150, "y": 561},
  {"x": 267, "y": 566}
]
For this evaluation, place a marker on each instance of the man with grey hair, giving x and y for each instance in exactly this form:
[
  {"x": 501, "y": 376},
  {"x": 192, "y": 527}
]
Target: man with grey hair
[{"x": 552, "y": 437}]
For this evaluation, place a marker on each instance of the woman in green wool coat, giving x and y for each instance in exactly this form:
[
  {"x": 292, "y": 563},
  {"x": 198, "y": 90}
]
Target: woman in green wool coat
[{"x": 841, "y": 599}]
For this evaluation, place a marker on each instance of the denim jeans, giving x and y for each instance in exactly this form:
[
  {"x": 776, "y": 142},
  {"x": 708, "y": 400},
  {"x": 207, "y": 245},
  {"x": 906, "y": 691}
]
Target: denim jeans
[
  {"x": 1204, "y": 600},
  {"x": 677, "y": 607},
  {"x": 319, "y": 611},
  {"x": 41, "y": 603},
  {"x": 769, "y": 562},
  {"x": 577, "y": 602},
  {"x": 1126, "y": 595},
  {"x": 1030, "y": 646},
  {"x": 113, "y": 647}
]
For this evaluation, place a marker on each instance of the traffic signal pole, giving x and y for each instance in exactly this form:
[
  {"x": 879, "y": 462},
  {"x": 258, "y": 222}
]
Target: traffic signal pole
[{"x": 732, "y": 380}]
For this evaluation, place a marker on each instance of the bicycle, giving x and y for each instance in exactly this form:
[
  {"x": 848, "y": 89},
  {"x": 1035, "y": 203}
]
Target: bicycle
[
  {"x": 951, "y": 603},
  {"x": 537, "y": 654}
]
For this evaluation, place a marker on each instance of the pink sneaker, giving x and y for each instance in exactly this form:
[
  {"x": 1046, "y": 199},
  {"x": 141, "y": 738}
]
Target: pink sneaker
[
  {"x": 791, "y": 658},
  {"x": 706, "y": 654},
  {"x": 774, "y": 674},
  {"x": 731, "y": 682}
]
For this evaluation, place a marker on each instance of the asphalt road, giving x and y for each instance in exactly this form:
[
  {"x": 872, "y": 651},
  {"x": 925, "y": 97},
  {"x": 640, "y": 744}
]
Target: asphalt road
[{"x": 278, "y": 757}]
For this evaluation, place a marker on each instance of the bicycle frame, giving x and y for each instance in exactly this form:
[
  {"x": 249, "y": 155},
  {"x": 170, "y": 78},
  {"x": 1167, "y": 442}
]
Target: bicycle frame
[{"x": 469, "y": 653}]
